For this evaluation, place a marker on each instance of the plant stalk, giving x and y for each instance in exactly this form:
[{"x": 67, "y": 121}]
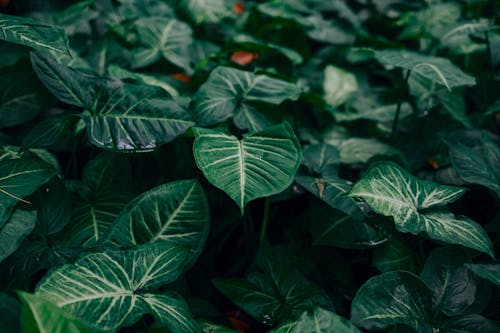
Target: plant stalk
[
  {"x": 265, "y": 222},
  {"x": 400, "y": 103}
]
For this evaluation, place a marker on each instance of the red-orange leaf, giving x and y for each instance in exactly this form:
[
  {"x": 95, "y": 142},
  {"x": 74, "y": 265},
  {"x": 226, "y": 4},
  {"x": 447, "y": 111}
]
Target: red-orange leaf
[
  {"x": 244, "y": 57},
  {"x": 433, "y": 164},
  {"x": 238, "y": 8},
  {"x": 181, "y": 77}
]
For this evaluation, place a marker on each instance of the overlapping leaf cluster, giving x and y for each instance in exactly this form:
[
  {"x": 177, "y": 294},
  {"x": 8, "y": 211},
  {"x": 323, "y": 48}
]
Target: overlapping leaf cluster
[{"x": 258, "y": 166}]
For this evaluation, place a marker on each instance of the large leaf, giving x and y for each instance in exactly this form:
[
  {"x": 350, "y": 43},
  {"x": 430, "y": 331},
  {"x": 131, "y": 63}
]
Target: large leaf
[
  {"x": 20, "y": 224},
  {"x": 40, "y": 315},
  {"x": 322, "y": 180},
  {"x": 10, "y": 311},
  {"x": 227, "y": 90},
  {"x": 439, "y": 70},
  {"x": 162, "y": 37},
  {"x": 259, "y": 165},
  {"x": 38, "y": 35},
  {"x": 453, "y": 286},
  {"x": 18, "y": 179},
  {"x": 470, "y": 323},
  {"x": 394, "y": 255},
  {"x": 478, "y": 164},
  {"x": 108, "y": 289},
  {"x": 393, "y": 298},
  {"x": 118, "y": 116},
  {"x": 318, "y": 321},
  {"x": 490, "y": 272},
  {"x": 414, "y": 204},
  {"x": 176, "y": 212}
]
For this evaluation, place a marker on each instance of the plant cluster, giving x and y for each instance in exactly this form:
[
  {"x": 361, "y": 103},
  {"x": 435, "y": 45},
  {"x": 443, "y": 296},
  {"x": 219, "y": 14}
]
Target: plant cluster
[{"x": 260, "y": 166}]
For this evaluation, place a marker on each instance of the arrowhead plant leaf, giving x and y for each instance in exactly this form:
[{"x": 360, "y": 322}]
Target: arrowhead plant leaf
[{"x": 259, "y": 165}]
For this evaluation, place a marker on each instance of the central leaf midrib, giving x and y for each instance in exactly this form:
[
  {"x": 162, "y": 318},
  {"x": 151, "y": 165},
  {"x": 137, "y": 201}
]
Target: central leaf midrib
[{"x": 241, "y": 161}]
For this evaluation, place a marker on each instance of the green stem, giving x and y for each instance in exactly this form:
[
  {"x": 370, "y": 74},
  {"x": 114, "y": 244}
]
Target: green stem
[
  {"x": 488, "y": 49},
  {"x": 400, "y": 103},
  {"x": 265, "y": 222}
]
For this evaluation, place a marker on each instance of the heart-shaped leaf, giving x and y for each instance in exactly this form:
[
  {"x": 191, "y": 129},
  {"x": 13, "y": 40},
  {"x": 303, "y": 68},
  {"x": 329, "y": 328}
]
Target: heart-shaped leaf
[
  {"x": 108, "y": 290},
  {"x": 176, "y": 212},
  {"x": 228, "y": 89},
  {"x": 392, "y": 191},
  {"x": 439, "y": 70},
  {"x": 35, "y": 34},
  {"x": 259, "y": 165},
  {"x": 210, "y": 11},
  {"x": 393, "y": 298}
]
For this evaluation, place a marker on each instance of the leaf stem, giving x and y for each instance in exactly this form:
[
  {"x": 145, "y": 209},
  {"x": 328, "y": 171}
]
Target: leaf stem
[
  {"x": 400, "y": 103},
  {"x": 265, "y": 222}
]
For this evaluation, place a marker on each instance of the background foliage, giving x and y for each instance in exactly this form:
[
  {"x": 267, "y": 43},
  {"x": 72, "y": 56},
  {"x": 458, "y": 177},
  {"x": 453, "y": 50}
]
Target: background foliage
[{"x": 258, "y": 166}]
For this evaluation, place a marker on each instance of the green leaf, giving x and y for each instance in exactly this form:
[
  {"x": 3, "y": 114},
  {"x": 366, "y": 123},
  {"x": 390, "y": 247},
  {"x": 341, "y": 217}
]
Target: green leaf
[
  {"x": 478, "y": 164},
  {"x": 490, "y": 272},
  {"x": 259, "y": 165},
  {"x": 453, "y": 286},
  {"x": 261, "y": 45},
  {"x": 228, "y": 89},
  {"x": 323, "y": 181},
  {"x": 10, "y": 312},
  {"x": 339, "y": 86},
  {"x": 108, "y": 289},
  {"x": 40, "y": 315},
  {"x": 206, "y": 11},
  {"x": 162, "y": 37},
  {"x": 318, "y": 321},
  {"x": 393, "y": 298},
  {"x": 18, "y": 179},
  {"x": 208, "y": 327},
  {"x": 176, "y": 212},
  {"x": 471, "y": 323},
  {"x": 360, "y": 150},
  {"x": 439, "y": 70},
  {"x": 20, "y": 225},
  {"x": 392, "y": 191},
  {"x": 50, "y": 132},
  {"x": 382, "y": 114},
  {"x": 28, "y": 32},
  {"x": 394, "y": 255}
]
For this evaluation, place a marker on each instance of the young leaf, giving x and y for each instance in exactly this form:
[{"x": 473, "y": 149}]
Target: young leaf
[
  {"x": 20, "y": 225},
  {"x": 259, "y": 165},
  {"x": 392, "y": 191},
  {"x": 176, "y": 212},
  {"x": 478, "y": 164},
  {"x": 318, "y": 321},
  {"x": 393, "y": 298},
  {"x": 18, "y": 179},
  {"x": 228, "y": 89},
  {"x": 323, "y": 181},
  {"x": 162, "y": 37},
  {"x": 28, "y": 32},
  {"x": 40, "y": 315},
  {"x": 338, "y": 85},
  {"x": 206, "y": 11},
  {"x": 112, "y": 288},
  {"x": 490, "y": 272},
  {"x": 439, "y": 70},
  {"x": 453, "y": 286}
]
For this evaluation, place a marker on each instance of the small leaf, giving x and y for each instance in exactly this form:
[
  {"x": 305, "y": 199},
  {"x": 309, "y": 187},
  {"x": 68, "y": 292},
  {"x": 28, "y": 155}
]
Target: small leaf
[
  {"x": 392, "y": 191},
  {"x": 40, "y": 315},
  {"x": 439, "y": 70},
  {"x": 361, "y": 150},
  {"x": 20, "y": 225},
  {"x": 244, "y": 58},
  {"x": 393, "y": 298},
  {"x": 318, "y": 321},
  {"x": 227, "y": 89},
  {"x": 206, "y": 11},
  {"x": 339, "y": 86},
  {"x": 259, "y": 165},
  {"x": 490, "y": 272},
  {"x": 28, "y": 32}
]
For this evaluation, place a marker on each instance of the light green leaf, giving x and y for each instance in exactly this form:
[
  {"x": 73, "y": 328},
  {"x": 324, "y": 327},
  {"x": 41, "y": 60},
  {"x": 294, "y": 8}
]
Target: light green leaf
[
  {"x": 382, "y": 114},
  {"x": 323, "y": 181},
  {"x": 318, "y": 321},
  {"x": 226, "y": 89},
  {"x": 40, "y": 316},
  {"x": 20, "y": 225},
  {"x": 466, "y": 28},
  {"x": 453, "y": 286},
  {"x": 209, "y": 11},
  {"x": 490, "y": 272},
  {"x": 108, "y": 289},
  {"x": 479, "y": 164},
  {"x": 339, "y": 86},
  {"x": 18, "y": 179},
  {"x": 176, "y": 212},
  {"x": 28, "y": 32},
  {"x": 259, "y": 165},
  {"x": 439, "y": 70},
  {"x": 393, "y": 298},
  {"x": 361, "y": 150},
  {"x": 162, "y": 37},
  {"x": 392, "y": 191},
  {"x": 208, "y": 327}
]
